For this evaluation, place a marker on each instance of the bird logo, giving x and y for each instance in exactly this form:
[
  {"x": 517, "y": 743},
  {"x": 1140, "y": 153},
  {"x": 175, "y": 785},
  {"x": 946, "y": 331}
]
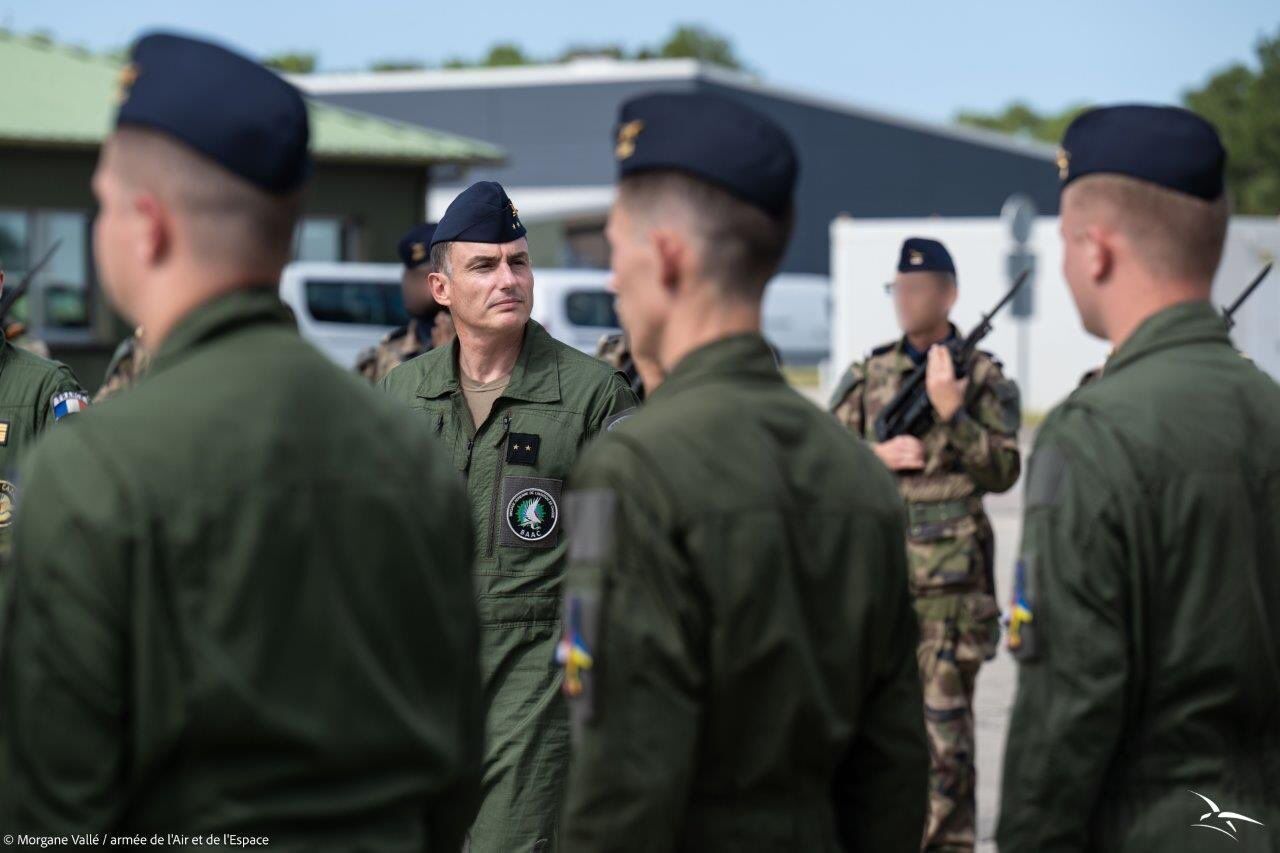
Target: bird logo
[
  {"x": 1220, "y": 817},
  {"x": 532, "y": 514}
]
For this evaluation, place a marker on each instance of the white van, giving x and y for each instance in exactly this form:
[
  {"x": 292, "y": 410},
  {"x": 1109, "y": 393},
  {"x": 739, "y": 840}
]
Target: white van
[{"x": 345, "y": 308}]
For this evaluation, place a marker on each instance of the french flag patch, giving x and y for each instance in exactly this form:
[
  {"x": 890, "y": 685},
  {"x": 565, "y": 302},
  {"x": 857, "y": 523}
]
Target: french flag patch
[{"x": 68, "y": 403}]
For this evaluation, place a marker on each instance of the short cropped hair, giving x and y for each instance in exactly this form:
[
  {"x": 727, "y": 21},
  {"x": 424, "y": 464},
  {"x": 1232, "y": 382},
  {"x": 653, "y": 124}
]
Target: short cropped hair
[
  {"x": 440, "y": 258},
  {"x": 230, "y": 220},
  {"x": 1175, "y": 235},
  {"x": 742, "y": 246}
]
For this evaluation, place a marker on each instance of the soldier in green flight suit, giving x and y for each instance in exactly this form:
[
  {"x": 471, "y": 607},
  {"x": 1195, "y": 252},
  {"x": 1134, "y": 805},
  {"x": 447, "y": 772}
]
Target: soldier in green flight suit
[
  {"x": 34, "y": 394},
  {"x": 971, "y": 450},
  {"x": 1146, "y": 608},
  {"x": 240, "y": 598},
  {"x": 513, "y": 407},
  {"x": 739, "y": 644}
]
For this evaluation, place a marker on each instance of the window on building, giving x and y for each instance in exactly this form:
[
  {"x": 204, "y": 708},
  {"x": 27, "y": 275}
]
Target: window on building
[
  {"x": 585, "y": 246},
  {"x": 57, "y": 304},
  {"x": 326, "y": 238}
]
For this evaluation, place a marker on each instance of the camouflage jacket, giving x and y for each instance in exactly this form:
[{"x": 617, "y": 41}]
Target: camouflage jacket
[
  {"x": 614, "y": 351},
  {"x": 128, "y": 364},
  {"x": 396, "y": 347},
  {"x": 977, "y": 452}
]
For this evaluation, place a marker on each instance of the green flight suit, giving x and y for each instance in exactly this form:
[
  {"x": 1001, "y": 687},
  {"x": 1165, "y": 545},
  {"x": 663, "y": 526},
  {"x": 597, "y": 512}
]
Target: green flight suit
[
  {"x": 1146, "y": 615},
  {"x": 515, "y": 464},
  {"x": 241, "y": 602},
  {"x": 34, "y": 394},
  {"x": 739, "y": 641}
]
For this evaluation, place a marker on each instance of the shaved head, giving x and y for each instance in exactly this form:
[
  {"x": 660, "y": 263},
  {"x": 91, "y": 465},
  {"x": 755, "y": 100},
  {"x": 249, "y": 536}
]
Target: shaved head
[
  {"x": 227, "y": 222},
  {"x": 739, "y": 245},
  {"x": 1174, "y": 235}
]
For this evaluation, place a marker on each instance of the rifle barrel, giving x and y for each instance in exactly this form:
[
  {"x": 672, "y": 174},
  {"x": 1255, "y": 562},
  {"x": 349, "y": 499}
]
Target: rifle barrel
[
  {"x": 13, "y": 295},
  {"x": 1253, "y": 285}
]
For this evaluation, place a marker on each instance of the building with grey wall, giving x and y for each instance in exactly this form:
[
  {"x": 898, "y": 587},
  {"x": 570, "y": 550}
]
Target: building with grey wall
[{"x": 555, "y": 123}]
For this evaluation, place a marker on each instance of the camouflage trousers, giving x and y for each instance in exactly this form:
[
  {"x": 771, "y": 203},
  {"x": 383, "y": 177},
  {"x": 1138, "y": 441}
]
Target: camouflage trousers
[{"x": 957, "y": 633}]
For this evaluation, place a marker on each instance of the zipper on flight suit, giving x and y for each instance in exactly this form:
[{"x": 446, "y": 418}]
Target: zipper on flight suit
[{"x": 497, "y": 483}]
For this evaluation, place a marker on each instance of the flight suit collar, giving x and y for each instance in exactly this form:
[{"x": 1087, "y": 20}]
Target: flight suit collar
[
  {"x": 534, "y": 379},
  {"x": 1177, "y": 325},
  {"x": 241, "y": 307},
  {"x": 743, "y": 355}
]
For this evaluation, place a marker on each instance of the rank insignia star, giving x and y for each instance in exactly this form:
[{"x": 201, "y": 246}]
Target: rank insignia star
[
  {"x": 124, "y": 83},
  {"x": 627, "y": 139},
  {"x": 1063, "y": 160}
]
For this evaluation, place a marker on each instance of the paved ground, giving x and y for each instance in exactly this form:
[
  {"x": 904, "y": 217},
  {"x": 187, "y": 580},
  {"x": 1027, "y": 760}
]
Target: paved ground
[{"x": 998, "y": 677}]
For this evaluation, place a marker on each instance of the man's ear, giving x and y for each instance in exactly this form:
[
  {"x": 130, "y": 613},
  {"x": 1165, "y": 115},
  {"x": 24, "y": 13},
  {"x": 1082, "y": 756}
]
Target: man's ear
[
  {"x": 1099, "y": 256},
  {"x": 439, "y": 284},
  {"x": 154, "y": 234},
  {"x": 673, "y": 253}
]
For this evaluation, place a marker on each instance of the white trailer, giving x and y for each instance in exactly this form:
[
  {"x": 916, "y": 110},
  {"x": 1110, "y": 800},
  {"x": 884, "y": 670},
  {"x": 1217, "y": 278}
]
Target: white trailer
[{"x": 864, "y": 255}]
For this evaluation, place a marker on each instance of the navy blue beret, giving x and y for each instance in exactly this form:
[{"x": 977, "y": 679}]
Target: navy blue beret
[
  {"x": 415, "y": 246},
  {"x": 481, "y": 213},
  {"x": 224, "y": 105},
  {"x": 1168, "y": 146},
  {"x": 920, "y": 254},
  {"x": 713, "y": 138}
]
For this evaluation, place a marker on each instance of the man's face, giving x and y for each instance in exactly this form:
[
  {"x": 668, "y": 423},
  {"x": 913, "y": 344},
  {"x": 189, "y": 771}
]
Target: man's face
[
  {"x": 1080, "y": 255},
  {"x": 415, "y": 287},
  {"x": 922, "y": 300},
  {"x": 643, "y": 303},
  {"x": 489, "y": 287},
  {"x": 115, "y": 234}
]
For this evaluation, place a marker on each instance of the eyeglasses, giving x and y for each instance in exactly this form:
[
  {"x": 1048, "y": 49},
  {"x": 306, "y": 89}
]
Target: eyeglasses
[{"x": 909, "y": 288}]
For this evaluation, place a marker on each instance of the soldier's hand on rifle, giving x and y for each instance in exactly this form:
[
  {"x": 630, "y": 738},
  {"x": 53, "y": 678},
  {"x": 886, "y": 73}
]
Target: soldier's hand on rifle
[
  {"x": 946, "y": 393},
  {"x": 904, "y": 453}
]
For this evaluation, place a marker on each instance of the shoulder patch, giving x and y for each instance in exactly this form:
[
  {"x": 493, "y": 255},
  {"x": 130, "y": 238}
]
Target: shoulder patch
[
  {"x": 617, "y": 418},
  {"x": 1020, "y": 636},
  {"x": 1048, "y": 474},
  {"x": 590, "y": 517},
  {"x": 8, "y": 502},
  {"x": 67, "y": 403}
]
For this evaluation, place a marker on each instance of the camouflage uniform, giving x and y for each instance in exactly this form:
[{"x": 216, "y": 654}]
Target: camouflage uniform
[
  {"x": 128, "y": 363},
  {"x": 16, "y": 334},
  {"x": 950, "y": 551},
  {"x": 397, "y": 347},
  {"x": 614, "y": 351}
]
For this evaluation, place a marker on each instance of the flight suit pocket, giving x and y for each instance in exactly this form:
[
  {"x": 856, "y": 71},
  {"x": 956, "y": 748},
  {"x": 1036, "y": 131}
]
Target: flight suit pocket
[
  {"x": 529, "y": 512},
  {"x": 943, "y": 554}
]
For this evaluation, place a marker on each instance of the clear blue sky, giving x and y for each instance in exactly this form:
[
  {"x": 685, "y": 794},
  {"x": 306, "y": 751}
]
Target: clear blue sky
[{"x": 922, "y": 59}]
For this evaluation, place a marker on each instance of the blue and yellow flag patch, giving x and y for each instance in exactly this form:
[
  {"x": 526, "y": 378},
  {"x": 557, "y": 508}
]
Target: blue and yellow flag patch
[
  {"x": 1020, "y": 636},
  {"x": 572, "y": 653}
]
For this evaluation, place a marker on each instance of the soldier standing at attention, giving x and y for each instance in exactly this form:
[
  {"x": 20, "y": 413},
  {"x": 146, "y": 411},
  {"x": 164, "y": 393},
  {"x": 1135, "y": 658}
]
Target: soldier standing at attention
[
  {"x": 513, "y": 407},
  {"x": 739, "y": 646},
  {"x": 1147, "y": 593},
  {"x": 420, "y": 333},
  {"x": 241, "y": 593},
  {"x": 971, "y": 449}
]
